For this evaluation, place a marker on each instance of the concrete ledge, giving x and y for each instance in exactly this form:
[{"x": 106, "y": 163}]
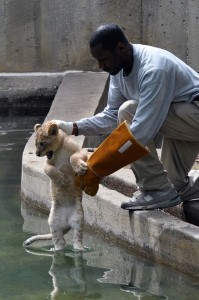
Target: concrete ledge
[
  {"x": 26, "y": 89},
  {"x": 17, "y": 89},
  {"x": 155, "y": 234}
]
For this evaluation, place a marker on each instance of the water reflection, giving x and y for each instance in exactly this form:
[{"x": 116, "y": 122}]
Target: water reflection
[
  {"x": 68, "y": 276},
  {"x": 141, "y": 294},
  {"x": 68, "y": 273},
  {"x": 70, "y": 280},
  {"x": 107, "y": 271}
]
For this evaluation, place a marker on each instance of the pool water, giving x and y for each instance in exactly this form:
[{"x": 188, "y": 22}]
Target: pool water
[{"x": 104, "y": 272}]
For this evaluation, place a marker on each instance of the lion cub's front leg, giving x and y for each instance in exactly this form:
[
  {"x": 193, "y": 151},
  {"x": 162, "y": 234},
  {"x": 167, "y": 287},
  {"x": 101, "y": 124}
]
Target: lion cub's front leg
[{"x": 78, "y": 162}]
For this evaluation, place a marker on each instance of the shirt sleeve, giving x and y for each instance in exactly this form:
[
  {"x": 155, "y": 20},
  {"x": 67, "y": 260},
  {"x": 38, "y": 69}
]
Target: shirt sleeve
[
  {"x": 106, "y": 121},
  {"x": 156, "y": 94}
]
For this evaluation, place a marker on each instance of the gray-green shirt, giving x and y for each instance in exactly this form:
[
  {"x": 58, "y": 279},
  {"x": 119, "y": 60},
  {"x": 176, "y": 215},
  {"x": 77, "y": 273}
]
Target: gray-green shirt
[{"x": 157, "y": 78}]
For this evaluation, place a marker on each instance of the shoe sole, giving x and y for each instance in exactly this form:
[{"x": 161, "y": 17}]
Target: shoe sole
[{"x": 173, "y": 202}]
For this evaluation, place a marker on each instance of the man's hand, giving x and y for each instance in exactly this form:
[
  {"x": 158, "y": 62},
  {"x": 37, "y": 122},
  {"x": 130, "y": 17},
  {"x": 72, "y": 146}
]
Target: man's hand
[{"x": 67, "y": 127}]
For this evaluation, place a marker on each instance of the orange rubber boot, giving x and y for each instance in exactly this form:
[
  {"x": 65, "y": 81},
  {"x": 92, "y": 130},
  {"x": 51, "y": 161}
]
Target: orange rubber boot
[{"x": 118, "y": 150}]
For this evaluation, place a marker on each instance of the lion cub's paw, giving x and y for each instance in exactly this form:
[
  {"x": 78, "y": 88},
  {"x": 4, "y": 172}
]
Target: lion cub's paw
[{"x": 80, "y": 168}]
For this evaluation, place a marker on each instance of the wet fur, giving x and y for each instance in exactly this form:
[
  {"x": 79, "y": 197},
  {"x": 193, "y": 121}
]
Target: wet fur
[{"x": 64, "y": 159}]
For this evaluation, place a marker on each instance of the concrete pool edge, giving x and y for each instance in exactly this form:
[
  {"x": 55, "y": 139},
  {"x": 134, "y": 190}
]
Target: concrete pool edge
[{"x": 155, "y": 234}]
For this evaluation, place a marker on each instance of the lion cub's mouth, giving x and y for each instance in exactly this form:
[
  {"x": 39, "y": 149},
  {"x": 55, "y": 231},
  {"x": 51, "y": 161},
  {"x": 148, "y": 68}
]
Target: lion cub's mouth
[{"x": 49, "y": 154}]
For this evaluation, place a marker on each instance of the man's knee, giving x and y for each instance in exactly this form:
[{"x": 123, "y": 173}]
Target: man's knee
[{"x": 127, "y": 111}]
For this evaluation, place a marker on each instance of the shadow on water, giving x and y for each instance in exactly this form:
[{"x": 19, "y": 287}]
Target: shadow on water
[{"x": 104, "y": 272}]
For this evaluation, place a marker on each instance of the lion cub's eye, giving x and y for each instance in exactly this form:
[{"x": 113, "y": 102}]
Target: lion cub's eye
[{"x": 42, "y": 144}]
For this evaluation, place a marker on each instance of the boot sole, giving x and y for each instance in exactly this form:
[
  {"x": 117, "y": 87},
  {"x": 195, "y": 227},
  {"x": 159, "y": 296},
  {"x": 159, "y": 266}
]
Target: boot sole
[{"x": 173, "y": 202}]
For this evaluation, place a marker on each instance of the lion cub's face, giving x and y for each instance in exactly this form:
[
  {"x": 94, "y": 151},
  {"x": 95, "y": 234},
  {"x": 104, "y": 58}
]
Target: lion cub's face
[{"x": 46, "y": 140}]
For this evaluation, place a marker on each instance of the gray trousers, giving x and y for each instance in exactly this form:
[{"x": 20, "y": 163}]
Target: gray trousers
[{"x": 180, "y": 149}]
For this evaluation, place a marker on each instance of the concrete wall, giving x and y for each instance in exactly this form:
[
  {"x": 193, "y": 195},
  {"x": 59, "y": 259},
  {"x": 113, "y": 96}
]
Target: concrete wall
[{"x": 52, "y": 35}]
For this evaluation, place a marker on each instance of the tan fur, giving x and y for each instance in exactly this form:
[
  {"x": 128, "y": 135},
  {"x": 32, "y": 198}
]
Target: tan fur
[{"x": 67, "y": 159}]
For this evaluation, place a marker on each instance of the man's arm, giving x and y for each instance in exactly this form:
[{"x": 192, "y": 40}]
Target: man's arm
[
  {"x": 106, "y": 121},
  {"x": 102, "y": 123}
]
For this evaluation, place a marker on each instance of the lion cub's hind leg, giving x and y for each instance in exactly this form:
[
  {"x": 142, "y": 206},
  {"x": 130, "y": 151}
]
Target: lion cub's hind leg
[
  {"x": 58, "y": 225},
  {"x": 78, "y": 234},
  {"x": 77, "y": 240},
  {"x": 77, "y": 223}
]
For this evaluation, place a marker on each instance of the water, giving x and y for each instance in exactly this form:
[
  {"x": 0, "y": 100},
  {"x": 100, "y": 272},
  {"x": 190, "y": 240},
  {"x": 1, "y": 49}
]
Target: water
[{"x": 104, "y": 272}]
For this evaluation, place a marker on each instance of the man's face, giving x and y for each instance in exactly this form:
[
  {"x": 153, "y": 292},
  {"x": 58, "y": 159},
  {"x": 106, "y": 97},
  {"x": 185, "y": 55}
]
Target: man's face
[{"x": 109, "y": 61}]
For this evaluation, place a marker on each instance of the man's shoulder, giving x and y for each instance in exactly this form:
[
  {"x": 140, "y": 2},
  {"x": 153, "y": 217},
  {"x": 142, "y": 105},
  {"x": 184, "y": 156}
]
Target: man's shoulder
[{"x": 148, "y": 49}]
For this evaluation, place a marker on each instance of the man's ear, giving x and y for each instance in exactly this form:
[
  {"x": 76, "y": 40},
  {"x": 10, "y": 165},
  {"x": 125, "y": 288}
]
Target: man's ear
[
  {"x": 53, "y": 129},
  {"x": 119, "y": 49},
  {"x": 36, "y": 127}
]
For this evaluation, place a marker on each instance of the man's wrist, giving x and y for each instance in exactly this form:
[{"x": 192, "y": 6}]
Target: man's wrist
[{"x": 75, "y": 129}]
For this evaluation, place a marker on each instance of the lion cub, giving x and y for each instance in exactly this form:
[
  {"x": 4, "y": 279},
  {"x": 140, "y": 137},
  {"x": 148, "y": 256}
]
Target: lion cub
[{"x": 64, "y": 159}]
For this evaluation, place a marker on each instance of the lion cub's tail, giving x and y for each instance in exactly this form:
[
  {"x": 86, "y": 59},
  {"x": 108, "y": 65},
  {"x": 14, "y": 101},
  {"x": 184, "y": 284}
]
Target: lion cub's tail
[{"x": 38, "y": 237}]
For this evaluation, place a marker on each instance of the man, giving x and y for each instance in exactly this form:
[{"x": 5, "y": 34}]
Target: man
[{"x": 156, "y": 93}]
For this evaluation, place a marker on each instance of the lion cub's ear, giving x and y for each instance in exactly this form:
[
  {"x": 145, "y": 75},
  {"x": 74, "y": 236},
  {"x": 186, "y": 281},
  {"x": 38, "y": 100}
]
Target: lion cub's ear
[
  {"x": 53, "y": 129},
  {"x": 37, "y": 126}
]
